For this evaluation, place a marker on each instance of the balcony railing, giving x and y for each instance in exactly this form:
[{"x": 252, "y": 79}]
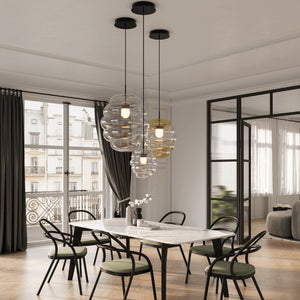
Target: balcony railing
[
  {"x": 34, "y": 170},
  {"x": 49, "y": 205}
]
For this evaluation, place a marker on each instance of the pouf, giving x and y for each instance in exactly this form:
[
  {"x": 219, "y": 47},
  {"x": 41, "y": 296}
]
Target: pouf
[
  {"x": 279, "y": 223},
  {"x": 296, "y": 220}
]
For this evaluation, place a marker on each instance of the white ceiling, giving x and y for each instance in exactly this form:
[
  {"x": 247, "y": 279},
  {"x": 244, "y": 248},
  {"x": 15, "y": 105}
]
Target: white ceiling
[{"x": 72, "y": 47}]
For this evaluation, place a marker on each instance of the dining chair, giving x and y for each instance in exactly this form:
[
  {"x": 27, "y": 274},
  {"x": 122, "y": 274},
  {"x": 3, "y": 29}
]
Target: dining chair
[
  {"x": 86, "y": 240},
  {"x": 234, "y": 270},
  {"x": 63, "y": 249},
  {"x": 123, "y": 267},
  {"x": 172, "y": 217},
  {"x": 225, "y": 223}
]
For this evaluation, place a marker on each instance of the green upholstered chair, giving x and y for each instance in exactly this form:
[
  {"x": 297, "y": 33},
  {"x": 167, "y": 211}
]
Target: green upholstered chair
[
  {"x": 80, "y": 214},
  {"x": 127, "y": 266},
  {"x": 233, "y": 269},
  {"x": 177, "y": 218},
  {"x": 63, "y": 249},
  {"x": 226, "y": 223}
]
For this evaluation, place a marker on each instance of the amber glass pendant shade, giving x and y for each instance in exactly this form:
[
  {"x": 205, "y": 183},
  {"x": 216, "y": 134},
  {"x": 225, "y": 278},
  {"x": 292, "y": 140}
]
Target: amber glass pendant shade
[{"x": 162, "y": 144}]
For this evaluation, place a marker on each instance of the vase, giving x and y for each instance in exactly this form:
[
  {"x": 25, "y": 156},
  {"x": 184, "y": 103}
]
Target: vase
[{"x": 137, "y": 214}]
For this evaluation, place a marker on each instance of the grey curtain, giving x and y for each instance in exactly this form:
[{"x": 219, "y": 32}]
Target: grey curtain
[
  {"x": 13, "y": 235},
  {"x": 117, "y": 164}
]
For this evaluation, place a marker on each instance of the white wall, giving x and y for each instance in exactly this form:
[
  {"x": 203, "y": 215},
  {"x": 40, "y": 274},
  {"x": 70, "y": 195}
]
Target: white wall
[{"x": 188, "y": 162}]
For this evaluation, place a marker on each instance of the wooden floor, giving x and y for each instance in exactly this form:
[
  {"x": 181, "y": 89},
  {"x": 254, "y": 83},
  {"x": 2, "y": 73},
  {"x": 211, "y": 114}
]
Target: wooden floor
[{"x": 277, "y": 263}]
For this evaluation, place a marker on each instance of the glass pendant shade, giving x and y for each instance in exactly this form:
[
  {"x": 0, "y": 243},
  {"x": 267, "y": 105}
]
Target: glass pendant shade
[
  {"x": 143, "y": 163},
  {"x": 122, "y": 122},
  {"x": 160, "y": 137}
]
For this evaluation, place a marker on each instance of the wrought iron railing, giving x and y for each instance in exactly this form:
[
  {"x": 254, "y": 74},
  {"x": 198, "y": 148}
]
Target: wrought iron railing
[
  {"x": 49, "y": 205},
  {"x": 34, "y": 170}
]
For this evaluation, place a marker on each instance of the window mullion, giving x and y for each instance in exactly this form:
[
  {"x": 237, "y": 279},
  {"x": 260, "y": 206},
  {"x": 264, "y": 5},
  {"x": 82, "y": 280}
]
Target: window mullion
[{"x": 66, "y": 165}]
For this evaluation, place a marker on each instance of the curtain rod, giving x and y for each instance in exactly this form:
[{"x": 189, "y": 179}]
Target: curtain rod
[{"x": 61, "y": 96}]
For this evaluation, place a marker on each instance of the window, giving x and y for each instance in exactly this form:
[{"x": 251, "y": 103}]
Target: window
[
  {"x": 94, "y": 168},
  {"x": 45, "y": 163},
  {"x": 34, "y": 161},
  {"x": 72, "y": 186},
  {"x": 95, "y": 186},
  {"x": 34, "y": 187},
  {"x": 262, "y": 161},
  {"x": 34, "y": 138},
  {"x": 57, "y": 185}
]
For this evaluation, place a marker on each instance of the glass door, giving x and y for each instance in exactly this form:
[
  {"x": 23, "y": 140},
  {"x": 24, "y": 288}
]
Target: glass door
[
  {"x": 222, "y": 160},
  {"x": 63, "y": 164}
]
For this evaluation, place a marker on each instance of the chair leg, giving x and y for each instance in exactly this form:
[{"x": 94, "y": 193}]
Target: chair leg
[
  {"x": 208, "y": 259},
  {"x": 238, "y": 289},
  {"x": 78, "y": 275},
  {"x": 123, "y": 285},
  {"x": 206, "y": 287},
  {"x": 141, "y": 247},
  {"x": 47, "y": 273},
  {"x": 158, "y": 253},
  {"x": 63, "y": 267},
  {"x": 186, "y": 264},
  {"x": 217, "y": 285},
  {"x": 153, "y": 285},
  {"x": 244, "y": 282},
  {"x": 257, "y": 287},
  {"x": 95, "y": 285},
  {"x": 57, "y": 261},
  {"x": 96, "y": 255},
  {"x": 128, "y": 287},
  {"x": 85, "y": 270},
  {"x": 188, "y": 267},
  {"x": 222, "y": 287},
  {"x": 80, "y": 267}
]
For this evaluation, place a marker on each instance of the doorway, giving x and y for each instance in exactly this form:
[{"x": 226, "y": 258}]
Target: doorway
[{"x": 229, "y": 149}]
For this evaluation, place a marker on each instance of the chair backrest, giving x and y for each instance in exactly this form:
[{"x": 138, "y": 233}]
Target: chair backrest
[
  {"x": 54, "y": 234},
  {"x": 226, "y": 223},
  {"x": 250, "y": 246},
  {"x": 79, "y": 215},
  {"x": 178, "y": 217}
]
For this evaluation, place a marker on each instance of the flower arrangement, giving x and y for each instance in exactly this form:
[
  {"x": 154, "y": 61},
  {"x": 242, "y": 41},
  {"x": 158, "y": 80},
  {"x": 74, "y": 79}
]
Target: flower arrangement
[{"x": 138, "y": 202}]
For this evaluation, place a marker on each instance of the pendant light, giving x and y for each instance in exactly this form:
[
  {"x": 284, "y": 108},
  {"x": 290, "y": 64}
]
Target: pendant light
[
  {"x": 160, "y": 136},
  {"x": 122, "y": 117},
  {"x": 143, "y": 162}
]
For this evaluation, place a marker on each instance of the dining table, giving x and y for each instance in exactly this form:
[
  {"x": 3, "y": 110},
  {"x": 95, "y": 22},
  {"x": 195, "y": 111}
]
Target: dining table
[{"x": 163, "y": 233}]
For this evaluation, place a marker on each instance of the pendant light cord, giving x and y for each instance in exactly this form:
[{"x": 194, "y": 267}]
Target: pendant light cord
[
  {"x": 125, "y": 65},
  {"x": 159, "y": 82},
  {"x": 143, "y": 81}
]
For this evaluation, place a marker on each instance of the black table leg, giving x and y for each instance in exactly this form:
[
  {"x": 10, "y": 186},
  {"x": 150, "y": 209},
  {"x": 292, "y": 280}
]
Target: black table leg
[
  {"x": 218, "y": 251},
  {"x": 76, "y": 242},
  {"x": 127, "y": 245},
  {"x": 164, "y": 252}
]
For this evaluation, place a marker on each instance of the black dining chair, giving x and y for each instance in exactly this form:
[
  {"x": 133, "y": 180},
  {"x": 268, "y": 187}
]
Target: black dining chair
[
  {"x": 225, "y": 223},
  {"x": 63, "y": 249},
  {"x": 234, "y": 270},
  {"x": 123, "y": 266},
  {"x": 172, "y": 217},
  {"x": 81, "y": 214}
]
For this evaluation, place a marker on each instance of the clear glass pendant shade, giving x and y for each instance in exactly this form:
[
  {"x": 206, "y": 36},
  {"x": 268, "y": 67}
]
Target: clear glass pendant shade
[
  {"x": 122, "y": 122},
  {"x": 160, "y": 138},
  {"x": 143, "y": 163}
]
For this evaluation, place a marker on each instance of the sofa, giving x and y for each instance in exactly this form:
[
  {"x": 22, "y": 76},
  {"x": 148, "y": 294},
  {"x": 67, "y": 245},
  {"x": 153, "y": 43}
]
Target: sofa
[{"x": 285, "y": 223}]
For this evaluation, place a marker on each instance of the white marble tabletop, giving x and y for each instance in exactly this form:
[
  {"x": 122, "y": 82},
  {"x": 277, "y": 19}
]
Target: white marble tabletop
[{"x": 166, "y": 233}]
